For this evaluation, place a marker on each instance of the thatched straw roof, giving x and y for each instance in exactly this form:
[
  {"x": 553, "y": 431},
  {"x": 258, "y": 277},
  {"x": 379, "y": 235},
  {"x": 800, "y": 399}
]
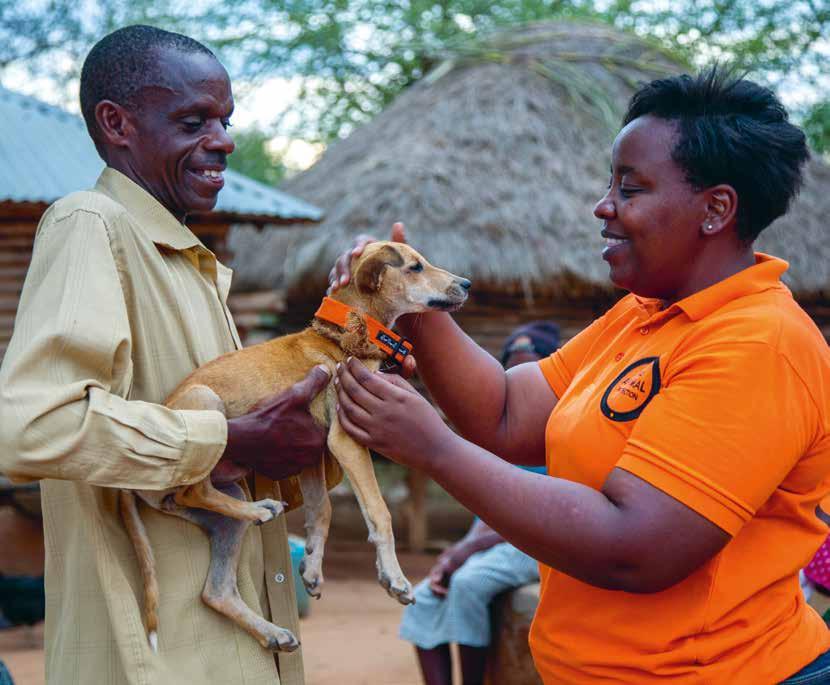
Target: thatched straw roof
[{"x": 494, "y": 162}]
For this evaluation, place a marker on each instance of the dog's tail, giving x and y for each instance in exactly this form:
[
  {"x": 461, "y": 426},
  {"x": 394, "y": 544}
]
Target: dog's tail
[{"x": 146, "y": 563}]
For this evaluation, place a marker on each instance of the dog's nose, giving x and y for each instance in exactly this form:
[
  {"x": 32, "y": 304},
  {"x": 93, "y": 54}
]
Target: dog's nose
[{"x": 464, "y": 283}]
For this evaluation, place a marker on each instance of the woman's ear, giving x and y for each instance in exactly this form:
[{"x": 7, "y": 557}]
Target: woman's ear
[{"x": 721, "y": 209}]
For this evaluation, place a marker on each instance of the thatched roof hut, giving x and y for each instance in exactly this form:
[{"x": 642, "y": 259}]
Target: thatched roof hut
[{"x": 494, "y": 162}]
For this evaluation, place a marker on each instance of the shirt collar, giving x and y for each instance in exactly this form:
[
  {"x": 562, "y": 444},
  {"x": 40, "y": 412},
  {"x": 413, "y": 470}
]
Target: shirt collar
[
  {"x": 153, "y": 218},
  {"x": 763, "y": 275}
]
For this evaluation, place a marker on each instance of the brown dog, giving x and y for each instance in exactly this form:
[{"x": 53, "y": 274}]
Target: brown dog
[{"x": 390, "y": 279}]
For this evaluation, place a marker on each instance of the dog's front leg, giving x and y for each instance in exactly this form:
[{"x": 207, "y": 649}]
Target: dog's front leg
[
  {"x": 317, "y": 520},
  {"x": 357, "y": 463}
]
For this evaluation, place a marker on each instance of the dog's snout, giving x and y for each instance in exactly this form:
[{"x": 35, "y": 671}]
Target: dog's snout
[{"x": 465, "y": 283}]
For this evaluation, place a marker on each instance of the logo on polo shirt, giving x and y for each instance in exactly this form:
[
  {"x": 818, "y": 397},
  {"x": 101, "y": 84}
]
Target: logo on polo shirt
[{"x": 632, "y": 390}]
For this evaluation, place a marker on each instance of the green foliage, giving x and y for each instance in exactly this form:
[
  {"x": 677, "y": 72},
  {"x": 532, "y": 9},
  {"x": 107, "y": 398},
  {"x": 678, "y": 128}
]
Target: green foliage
[
  {"x": 817, "y": 127},
  {"x": 253, "y": 158},
  {"x": 355, "y": 56}
]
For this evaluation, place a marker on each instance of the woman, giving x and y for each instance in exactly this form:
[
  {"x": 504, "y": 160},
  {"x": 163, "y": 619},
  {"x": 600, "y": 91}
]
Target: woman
[
  {"x": 685, "y": 432},
  {"x": 452, "y": 605}
]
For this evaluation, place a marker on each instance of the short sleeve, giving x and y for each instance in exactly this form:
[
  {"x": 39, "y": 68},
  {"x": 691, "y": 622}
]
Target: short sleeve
[
  {"x": 560, "y": 368},
  {"x": 727, "y": 426}
]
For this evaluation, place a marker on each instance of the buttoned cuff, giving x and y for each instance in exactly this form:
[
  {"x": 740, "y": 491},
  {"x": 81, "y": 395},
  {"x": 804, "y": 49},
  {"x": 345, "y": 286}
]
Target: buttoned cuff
[{"x": 207, "y": 436}]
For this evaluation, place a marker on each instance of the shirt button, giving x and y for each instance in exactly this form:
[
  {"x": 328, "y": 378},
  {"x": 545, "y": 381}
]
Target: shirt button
[
  {"x": 644, "y": 330},
  {"x": 280, "y": 577},
  {"x": 618, "y": 356}
]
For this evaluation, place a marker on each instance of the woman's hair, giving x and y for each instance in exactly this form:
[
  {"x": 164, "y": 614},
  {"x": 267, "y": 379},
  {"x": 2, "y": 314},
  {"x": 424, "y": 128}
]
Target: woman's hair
[{"x": 731, "y": 131}]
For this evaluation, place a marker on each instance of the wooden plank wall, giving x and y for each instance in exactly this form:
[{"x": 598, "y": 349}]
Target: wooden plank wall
[
  {"x": 16, "y": 239},
  {"x": 487, "y": 320},
  {"x": 489, "y": 324},
  {"x": 490, "y": 319},
  {"x": 15, "y": 253}
]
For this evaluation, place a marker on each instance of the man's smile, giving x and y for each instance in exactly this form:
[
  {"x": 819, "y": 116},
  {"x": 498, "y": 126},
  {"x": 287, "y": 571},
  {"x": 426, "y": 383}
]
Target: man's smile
[{"x": 211, "y": 178}]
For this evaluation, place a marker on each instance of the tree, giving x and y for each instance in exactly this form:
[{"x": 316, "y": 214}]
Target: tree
[
  {"x": 253, "y": 158},
  {"x": 356, "y": 55},
  {"x": 817, "y": 126}
]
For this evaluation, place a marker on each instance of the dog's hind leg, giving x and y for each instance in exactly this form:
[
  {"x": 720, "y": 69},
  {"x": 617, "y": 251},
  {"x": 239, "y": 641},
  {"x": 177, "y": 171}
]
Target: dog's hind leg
[
  {"x": 357, "y": 463},
  {"x": 317, "y": 520},
  {"x": 203, "y": 495},
  {"x": 220, "y": 591},
  {"x": 146, "y": 563}
]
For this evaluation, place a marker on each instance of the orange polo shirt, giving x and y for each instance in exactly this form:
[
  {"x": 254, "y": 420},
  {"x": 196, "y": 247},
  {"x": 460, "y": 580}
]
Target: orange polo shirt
[{"x": 721, "y": 401}]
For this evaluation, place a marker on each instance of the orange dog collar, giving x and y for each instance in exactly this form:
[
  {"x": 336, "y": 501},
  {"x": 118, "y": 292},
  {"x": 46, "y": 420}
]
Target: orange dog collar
[{"x": 396, "y": 346}]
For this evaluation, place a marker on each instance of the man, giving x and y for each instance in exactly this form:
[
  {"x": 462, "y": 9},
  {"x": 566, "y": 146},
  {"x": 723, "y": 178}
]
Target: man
[{"x": 121, "y": 302}]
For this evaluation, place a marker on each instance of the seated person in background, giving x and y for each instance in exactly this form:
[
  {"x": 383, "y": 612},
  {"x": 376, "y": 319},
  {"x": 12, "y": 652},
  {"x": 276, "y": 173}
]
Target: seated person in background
[
  {"x": 452, "y": 602},
  {"x": 816, "y": 575}
]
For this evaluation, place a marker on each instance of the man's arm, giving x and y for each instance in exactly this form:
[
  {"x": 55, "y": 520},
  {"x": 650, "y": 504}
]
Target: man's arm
[
  {"x": 68, "y": 368},
  {"x": 480, "y": 537}
]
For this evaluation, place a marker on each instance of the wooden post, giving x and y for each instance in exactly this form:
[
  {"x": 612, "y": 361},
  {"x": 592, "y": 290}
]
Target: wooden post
[{"x": 416, "y": 511}]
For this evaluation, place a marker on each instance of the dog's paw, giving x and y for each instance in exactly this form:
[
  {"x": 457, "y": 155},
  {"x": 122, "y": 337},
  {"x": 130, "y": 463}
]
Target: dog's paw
[
  {"x": 400, "y": 588},
  {"x": 312, "y": 579},
  {"x": 267, "y": 509},
  {"x": 281, "y": 640}
]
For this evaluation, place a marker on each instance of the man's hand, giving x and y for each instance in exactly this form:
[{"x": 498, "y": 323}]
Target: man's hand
[{"x": 278, "y": 437}]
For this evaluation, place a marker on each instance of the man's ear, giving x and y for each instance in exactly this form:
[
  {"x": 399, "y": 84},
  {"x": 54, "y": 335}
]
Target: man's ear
[
  {"x": 114, "y": 124},
  {"x": 721, "y": 209},
  {"x": 370, "y": 272}
]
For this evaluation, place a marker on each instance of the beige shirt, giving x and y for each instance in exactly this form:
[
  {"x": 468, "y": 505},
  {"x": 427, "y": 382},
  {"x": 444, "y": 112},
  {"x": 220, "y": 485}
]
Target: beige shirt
[{"x": 120, "y": 303}]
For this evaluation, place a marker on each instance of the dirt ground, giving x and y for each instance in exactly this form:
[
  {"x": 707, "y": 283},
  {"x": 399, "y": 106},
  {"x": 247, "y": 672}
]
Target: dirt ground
[{"x": 349, "y": 636}]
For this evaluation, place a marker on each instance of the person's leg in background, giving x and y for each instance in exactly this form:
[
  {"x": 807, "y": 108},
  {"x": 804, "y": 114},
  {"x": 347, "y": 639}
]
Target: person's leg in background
[
  {"x": 463, "y": 616},
  {"x": 436, "y": 665}
]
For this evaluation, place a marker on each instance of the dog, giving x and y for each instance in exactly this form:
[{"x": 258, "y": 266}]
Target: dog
[{"x": 389, "y": 279}]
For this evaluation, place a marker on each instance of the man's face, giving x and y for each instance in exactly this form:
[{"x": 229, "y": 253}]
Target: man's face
[{"x": 180, "y": 143}]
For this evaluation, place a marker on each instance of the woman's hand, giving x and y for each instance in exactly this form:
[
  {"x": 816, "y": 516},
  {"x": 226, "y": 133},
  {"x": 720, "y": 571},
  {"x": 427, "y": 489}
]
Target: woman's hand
[
  {"x": 341, "y": 273},
  {"x": 385, "y": 413}
]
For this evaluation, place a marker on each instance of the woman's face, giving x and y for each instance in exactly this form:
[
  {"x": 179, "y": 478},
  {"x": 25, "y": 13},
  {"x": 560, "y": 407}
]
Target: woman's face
[{"x": 651, "y": 217}]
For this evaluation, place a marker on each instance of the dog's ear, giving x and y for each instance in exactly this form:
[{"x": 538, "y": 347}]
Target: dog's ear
[{"x": 370, "y": 272}]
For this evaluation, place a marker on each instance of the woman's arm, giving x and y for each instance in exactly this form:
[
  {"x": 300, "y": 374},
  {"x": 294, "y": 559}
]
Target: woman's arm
[
  {"x": 504, "y": 412},
  {"x": 627, "y": 536}
]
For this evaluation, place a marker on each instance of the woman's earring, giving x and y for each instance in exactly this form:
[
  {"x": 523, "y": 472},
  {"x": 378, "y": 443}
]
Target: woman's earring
[{"x": 707, "y": 228}]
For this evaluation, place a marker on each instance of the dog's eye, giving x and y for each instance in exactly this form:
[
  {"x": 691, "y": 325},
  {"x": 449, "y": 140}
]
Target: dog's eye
[{"x": 417, "y": 266}]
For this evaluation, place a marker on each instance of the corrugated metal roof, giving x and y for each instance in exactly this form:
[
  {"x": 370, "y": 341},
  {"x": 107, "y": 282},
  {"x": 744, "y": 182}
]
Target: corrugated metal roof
[{"x": 47, "y": 153}]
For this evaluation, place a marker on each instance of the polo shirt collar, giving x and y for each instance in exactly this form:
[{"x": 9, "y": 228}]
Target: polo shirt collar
[
  {"x": 763, "y": 275},
  {"x": 154, "y": 219}
]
